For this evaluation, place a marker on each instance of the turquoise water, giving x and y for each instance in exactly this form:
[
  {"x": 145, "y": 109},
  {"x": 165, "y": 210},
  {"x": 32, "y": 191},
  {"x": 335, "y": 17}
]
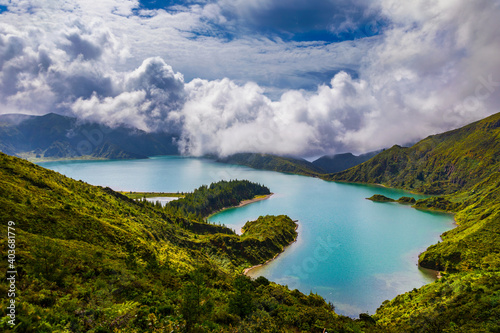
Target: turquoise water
[{"x": 354, "y": 252}]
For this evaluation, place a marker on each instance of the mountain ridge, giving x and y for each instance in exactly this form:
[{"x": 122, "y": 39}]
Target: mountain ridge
[
  {"x": 340, "y": 162},
  {"x": 53, "y": 136},
  {"x": 273, "y": 163}
]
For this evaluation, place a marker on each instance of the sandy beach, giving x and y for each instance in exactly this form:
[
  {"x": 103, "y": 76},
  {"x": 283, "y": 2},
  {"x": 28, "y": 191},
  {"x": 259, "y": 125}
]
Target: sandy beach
[
  {"x": 259, "y": 198},
  {"x": 243, "y": 203}
]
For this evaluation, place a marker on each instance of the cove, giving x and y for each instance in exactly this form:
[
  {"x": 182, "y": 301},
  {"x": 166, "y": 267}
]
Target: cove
[{"x": 354, "y": 252}]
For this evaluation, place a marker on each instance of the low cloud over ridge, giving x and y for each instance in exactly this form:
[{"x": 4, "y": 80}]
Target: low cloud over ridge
[{"x": 434, "y": 68}]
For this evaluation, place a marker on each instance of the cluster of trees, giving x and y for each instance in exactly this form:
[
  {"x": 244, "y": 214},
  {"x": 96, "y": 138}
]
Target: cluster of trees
[{"x": 208, "y": 199}]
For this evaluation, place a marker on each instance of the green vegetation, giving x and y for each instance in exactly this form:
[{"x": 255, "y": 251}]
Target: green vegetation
[
  {"x": 92, "y": 260},
  {"x": 380, "y": 198},
  {"x": 463, "y": 166},
  {"x": 422, "y": 204},
  {"x": 462, "y": 302},
  {"x": 475, "y": 243},
  {"x": 208, "y": 199},
  {"x": 274, "y": 163},
  {"x": 440, "y": 164},
  {"x": 317, "y": 168},
  {"x": 262, "y": 240},
  {"x": 271, "y": 227},
  {"x": 407, "y": 200}
]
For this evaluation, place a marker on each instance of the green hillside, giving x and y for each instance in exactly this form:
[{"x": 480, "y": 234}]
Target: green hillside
[
  {"x": 461, "y": 168},
  {"x": 274, "y": 163},
  {"x": 92, "y": 260},
  {"x": 440, "y": 164},
  {"x": 462, "y": 302}
]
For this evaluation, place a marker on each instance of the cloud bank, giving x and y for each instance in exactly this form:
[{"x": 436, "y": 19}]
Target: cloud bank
[{"x": 433, "y": 67}]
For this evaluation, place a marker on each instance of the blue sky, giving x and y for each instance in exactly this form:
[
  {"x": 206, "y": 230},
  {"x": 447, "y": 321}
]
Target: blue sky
[
  {"x": 287, "y": 77},
  {"x": 316, "y": 23},
  {"x": 298, "y": 20}
]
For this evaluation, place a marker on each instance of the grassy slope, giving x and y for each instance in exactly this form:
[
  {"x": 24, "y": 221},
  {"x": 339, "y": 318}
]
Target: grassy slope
[
  {"x": 475, "y": 242},
  {"x": 464, "y": 167},
  {"x": 261, "y": 241},
  {"x": 90, "y": 259},
  {"x": 462, "y": 302}
]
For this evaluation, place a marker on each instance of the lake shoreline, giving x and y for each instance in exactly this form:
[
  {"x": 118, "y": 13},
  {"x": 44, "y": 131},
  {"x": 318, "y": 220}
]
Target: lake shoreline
[
  {"x": 248, "y": 269},
  {"x": 140, "y": 195},
  {"x": 241, "y": 204}
]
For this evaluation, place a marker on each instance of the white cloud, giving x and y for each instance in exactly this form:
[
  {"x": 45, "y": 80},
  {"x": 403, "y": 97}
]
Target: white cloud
[
  {"x": 434, "y": 68},
  {"x": 223, "y": 118},
  {"x": 143, "y": 99},
  {"x": 425, "y": 74}
]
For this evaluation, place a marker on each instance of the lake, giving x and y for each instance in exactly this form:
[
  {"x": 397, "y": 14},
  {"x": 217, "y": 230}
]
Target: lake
[{"x": 354, "y": 252}]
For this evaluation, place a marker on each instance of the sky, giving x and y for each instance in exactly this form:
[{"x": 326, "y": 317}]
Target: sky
[{"x": 288, "y": 77}]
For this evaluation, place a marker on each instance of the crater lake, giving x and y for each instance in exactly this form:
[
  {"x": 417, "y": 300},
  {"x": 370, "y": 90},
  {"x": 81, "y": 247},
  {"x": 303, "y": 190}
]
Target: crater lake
[{"x": 354, "y": 252}]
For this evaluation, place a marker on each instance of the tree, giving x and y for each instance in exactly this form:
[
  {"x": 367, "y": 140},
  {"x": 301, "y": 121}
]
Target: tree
[
  {"x": 241, "y": 301},
  {"x": 195, "y": 302}
]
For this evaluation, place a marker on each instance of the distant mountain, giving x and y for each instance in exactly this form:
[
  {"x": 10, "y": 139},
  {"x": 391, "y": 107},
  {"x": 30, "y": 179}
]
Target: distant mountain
[
  {"x": 274, "y": 163},
  {"x": 53, "y": 136},
  {"x": 341, "y": 162},
  {"x": 321, "y": 166}
]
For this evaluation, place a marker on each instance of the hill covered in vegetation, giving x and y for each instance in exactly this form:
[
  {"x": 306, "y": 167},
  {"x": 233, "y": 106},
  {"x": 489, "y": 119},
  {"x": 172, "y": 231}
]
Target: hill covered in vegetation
[
  {"x": 318, "y": 168},
  {"x": 89, "y": 259},
  {"x": 274, "y": 163},
  {"x": 461, "y": 169},
  {"x": 440, "y": 164},
  {"x": 208, "y": 199},
  {"x": 341, "y": 162}
]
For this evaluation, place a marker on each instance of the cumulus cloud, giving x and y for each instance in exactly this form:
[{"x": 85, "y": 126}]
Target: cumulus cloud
[
  {"x": 433, "y": 68},
  {"x": 42, "y": 71},
  {"x": 70, "y": 72},
  {"x": 143, "y": 99},
  {"x": 431, "y": 71},
  {"x": 223, "y": 118}
]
